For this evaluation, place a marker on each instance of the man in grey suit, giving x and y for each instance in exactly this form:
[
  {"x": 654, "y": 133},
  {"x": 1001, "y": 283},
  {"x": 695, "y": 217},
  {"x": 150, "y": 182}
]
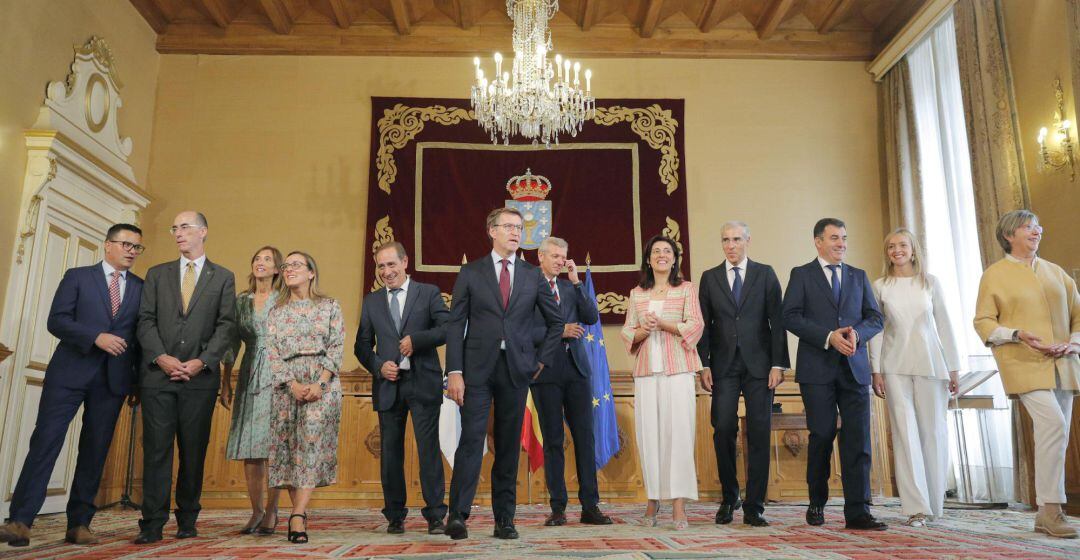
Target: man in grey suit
[
  {"x": 401, "y": 327},
  {"x": 185, "y": 324}
]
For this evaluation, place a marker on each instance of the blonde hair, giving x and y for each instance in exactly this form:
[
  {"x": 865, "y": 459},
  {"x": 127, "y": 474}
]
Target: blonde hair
[
  {"x": 314, "y": 293},
  {"x": 916, "y": 257}
]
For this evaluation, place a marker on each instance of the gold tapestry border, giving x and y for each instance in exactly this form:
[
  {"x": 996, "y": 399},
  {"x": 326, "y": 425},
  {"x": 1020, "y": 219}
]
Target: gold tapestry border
[{"x": 635, "y": 193}]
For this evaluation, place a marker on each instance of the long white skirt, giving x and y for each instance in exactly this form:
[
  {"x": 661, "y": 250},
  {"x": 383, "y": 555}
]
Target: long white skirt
[{"x": 665, "y": 416}]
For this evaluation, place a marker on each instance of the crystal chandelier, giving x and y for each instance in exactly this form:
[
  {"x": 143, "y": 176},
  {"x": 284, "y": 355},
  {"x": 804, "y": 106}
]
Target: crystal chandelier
[{"x": 538, "y": 98}]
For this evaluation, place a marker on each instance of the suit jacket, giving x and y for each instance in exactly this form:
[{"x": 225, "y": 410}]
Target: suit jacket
[
  {"x": 575, "y": 306},
  {"x": 423, "y": 318},
  {"x": 204, "y": 332},
  {"x": 81, "y": 310},
  {"x": 754, "y": 325},
  {"x": 811, "y": 314},
  {"x": 477, "y": 303}
]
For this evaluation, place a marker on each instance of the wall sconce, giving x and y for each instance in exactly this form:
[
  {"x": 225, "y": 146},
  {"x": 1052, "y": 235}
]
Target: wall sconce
[{"x": 1056, "y": 159}]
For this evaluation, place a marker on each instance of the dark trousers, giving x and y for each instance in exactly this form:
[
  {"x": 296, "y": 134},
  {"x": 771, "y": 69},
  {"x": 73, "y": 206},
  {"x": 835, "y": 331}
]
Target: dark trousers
[
  {"x": 56, "y": 409},
  {"x": 727, "y": 385},
  {"x": 571, "y": 393},
  {"x": 181, "y": 415},
  {"x": 392, "y": 424},
  {"x": 822, "y": 401},
  {"x": 509, "y": 410}
]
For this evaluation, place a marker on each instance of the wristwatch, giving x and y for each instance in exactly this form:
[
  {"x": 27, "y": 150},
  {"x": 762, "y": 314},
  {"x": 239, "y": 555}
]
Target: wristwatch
[
  {"x": 323, "y": 386},
  {"x": 1016, "y": 335}
]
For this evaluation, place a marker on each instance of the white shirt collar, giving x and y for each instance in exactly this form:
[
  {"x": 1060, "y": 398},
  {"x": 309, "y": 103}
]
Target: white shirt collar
[
  {"x": 109, "y": 270},
  {"x": 497, "y": 258},
  {"x": 404, "y": 286},
  {"x": 1018, "y": 261},
  {"x": 826, "y": 264},
  {"x": 742, "y": 265},
  {"x": 199, "y": 262}
]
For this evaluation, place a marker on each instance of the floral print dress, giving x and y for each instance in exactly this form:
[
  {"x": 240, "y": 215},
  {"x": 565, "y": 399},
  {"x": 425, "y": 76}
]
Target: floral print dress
[{"x": 305, "y": 338}]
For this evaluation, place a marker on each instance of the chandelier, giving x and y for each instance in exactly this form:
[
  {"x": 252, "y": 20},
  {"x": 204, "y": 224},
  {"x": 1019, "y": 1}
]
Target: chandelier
[{"x": 538, "y": 98}]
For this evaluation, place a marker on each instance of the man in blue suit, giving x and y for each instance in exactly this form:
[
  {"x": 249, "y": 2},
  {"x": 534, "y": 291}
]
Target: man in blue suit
[
  {"x": 94, "y": 314},
  {"x": 565, "y": 387},
  {"x": 830, "y": 306}
]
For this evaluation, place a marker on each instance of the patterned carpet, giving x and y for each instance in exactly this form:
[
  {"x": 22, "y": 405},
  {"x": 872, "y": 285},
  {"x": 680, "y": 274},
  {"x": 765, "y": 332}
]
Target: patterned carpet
[{"x": 982, "y": 534}]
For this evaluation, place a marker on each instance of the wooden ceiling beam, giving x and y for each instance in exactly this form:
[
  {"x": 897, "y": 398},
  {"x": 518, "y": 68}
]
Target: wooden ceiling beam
[
  {"x": 650, "y": 18},
  {"x": 589, "y": 9},
  {"x": 774, "y": 14},
  {"x": 278, "y": 14},
  {"x": 152, "y": 13},
  {"x": 466, "y": 15},
  {"x": 401, "y": 17},
  {"x": 837, "y": 12},
  {"x": 712, "y": 13},
  {"x": 217, "y": 11},
  {"x": 341, "y": 14}
]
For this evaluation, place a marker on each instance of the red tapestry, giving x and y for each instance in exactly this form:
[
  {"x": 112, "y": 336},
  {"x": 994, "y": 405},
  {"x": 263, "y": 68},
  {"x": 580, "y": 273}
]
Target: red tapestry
[{"x": 435, "y": 175}]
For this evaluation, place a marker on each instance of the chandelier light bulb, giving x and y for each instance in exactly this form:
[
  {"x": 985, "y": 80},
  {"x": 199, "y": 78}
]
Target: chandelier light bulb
[{"x": 1066, "y": 124}]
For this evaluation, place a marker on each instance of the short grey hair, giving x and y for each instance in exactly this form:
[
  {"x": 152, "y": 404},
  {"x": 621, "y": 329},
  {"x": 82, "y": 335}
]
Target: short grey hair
[
  {"x": 735, "y": 224},
  {"x": 556, "y": 241},
  {"x": 1008, "y": 224}
]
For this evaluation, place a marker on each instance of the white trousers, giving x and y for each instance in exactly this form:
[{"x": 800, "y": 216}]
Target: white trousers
[
  {"x": 1051, "y": 413},
  {"x": 665, "y": 413},
  {"x": 917, "y": 407}
]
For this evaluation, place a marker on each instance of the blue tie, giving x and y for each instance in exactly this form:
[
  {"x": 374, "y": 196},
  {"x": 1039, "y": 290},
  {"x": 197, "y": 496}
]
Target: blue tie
[
  {"x": 835, "y": 282},
  {"x": 736, "y": 287}
]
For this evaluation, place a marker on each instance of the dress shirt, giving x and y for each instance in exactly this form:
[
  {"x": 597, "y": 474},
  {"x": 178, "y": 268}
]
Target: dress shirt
[
  {"x": 404, "y": 363},
  {"x": 828, "y": 280},
  {"x": 555, "y": 290},
  {"x": 108, "y": 278},
  {"x": 1004, "y": 335},
  {"x": 199, "y": 264},
  {"x": 918, "y": 337},
  {"x": 497, "y": 258},
  {"x": 731, "y": 281}
]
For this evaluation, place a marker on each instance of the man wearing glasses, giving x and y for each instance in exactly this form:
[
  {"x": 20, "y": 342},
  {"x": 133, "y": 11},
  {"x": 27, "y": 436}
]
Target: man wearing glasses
[
  {"x": 186, "y": 323},
  {"x": 491, "y": 357},
  {"x": 94, "y": 313}
]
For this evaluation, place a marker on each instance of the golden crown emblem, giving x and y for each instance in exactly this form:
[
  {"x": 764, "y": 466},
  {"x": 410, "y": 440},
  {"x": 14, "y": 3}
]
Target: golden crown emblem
[{"x": 528, "y": 187}]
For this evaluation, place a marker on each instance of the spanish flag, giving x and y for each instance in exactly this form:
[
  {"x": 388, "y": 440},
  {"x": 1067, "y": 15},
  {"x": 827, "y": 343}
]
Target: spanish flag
[{"x": 532, "y": 440}]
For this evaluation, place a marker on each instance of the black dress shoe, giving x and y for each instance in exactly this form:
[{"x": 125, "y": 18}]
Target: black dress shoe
[
  {"x": 455, "y": 528},
  {"x": 866, "y": 523},
  {"x": 504, "y": 529},
  {"x": 396, "y": 527},
  {"x": 593, "y": 516},
  {"x": 147, "y": 537},
  {"x": 754, "y": 520},
  {"x": 726, "y": 512},
  {"x": 186, "y": 533},
  {"x": 815, "y": 515},
  {"x": 436, "y": 527},
  {"x": 556, "y": 519}
]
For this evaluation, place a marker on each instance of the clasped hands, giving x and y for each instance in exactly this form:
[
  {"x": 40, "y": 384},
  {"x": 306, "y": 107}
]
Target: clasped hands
[
  {"x": 1052, "y": 350},
  {"x": 177, "y": 370},
  {"x": 845, "y": 340},
  {"x": 305, "y": 392},
  {"x": 651, "y": 322}
]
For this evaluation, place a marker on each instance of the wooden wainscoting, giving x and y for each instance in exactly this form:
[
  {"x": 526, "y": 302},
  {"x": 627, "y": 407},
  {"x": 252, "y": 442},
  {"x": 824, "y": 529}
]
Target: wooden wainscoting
[{"x": 620, "y": 481}]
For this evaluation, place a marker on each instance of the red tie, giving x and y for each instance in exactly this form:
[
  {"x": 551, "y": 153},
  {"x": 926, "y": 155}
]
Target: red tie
[
  {"x": 554, "y": 291},
  {"x": 504, "y": 283},
  {"x": 114, "y": 292}
]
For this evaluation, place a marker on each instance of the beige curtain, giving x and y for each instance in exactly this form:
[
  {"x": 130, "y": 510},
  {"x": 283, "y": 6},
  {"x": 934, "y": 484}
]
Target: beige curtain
[
  {"x": 902, "y": 175},
  {"x": 997, "y": 167},
  {"x": 1074, "y": 48}
]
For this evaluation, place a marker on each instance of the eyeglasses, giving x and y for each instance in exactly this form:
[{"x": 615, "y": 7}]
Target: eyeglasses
[
  {"x": 295, "y": 265},
  {"x": 1033, "y": 227},
  {"x": 510, "y": 227},
  {"x": 127, "y": 246},
  {"x": 183, "y": 227}
]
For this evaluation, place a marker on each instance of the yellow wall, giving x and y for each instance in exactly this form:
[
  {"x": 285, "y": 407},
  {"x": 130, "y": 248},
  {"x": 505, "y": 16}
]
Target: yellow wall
[
  {"x": 275, "y": 150},
  {"x": 1038, "y": 42},
  {"x": 36, "y": 48}
]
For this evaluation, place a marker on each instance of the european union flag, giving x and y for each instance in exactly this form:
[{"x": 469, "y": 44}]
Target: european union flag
[{"x": 605, "y": 428}]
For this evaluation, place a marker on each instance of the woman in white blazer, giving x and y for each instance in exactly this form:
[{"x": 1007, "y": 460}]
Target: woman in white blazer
[{"x": 915, "y": 363}]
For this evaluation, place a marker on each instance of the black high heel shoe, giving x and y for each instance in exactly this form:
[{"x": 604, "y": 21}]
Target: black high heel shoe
[
  {"x": 298, "y": 537},
  {"x": 267, "y": 529},
  {"x": 252, "y": 524}
]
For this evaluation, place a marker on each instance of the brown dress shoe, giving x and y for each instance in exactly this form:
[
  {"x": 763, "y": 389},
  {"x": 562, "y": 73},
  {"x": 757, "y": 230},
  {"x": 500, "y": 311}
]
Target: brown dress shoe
[
  {"x": 1055, "y": 525},
  {"x": 80, "y": 535},
  {"x": 15, "y": 534}
]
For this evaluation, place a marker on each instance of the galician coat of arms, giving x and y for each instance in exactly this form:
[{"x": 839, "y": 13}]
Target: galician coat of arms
[{"x": 528, "y": 192}]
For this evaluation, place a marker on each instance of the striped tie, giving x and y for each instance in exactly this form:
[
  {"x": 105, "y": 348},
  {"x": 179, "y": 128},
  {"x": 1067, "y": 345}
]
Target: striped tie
[{"x": 114, "y": 292}]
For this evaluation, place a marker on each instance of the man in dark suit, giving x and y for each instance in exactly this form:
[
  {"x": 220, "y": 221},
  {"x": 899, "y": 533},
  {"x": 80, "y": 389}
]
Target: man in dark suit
[
  {"x": 400, "y": 329},
  {"x": 564, "y": 385},
  {"x": 94, "y": 313},
  {"x": 743, "y": 350},
  {"x": 490, "y": 357},
  {"x": 186, "y": 322},
  {"x": 830, "y": 306}
]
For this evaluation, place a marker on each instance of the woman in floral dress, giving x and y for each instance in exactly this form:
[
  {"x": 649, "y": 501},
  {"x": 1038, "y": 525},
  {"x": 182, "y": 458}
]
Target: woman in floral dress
[
  {"x": 249, "y": 433},
  {"x": 306, "y": 340}
]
